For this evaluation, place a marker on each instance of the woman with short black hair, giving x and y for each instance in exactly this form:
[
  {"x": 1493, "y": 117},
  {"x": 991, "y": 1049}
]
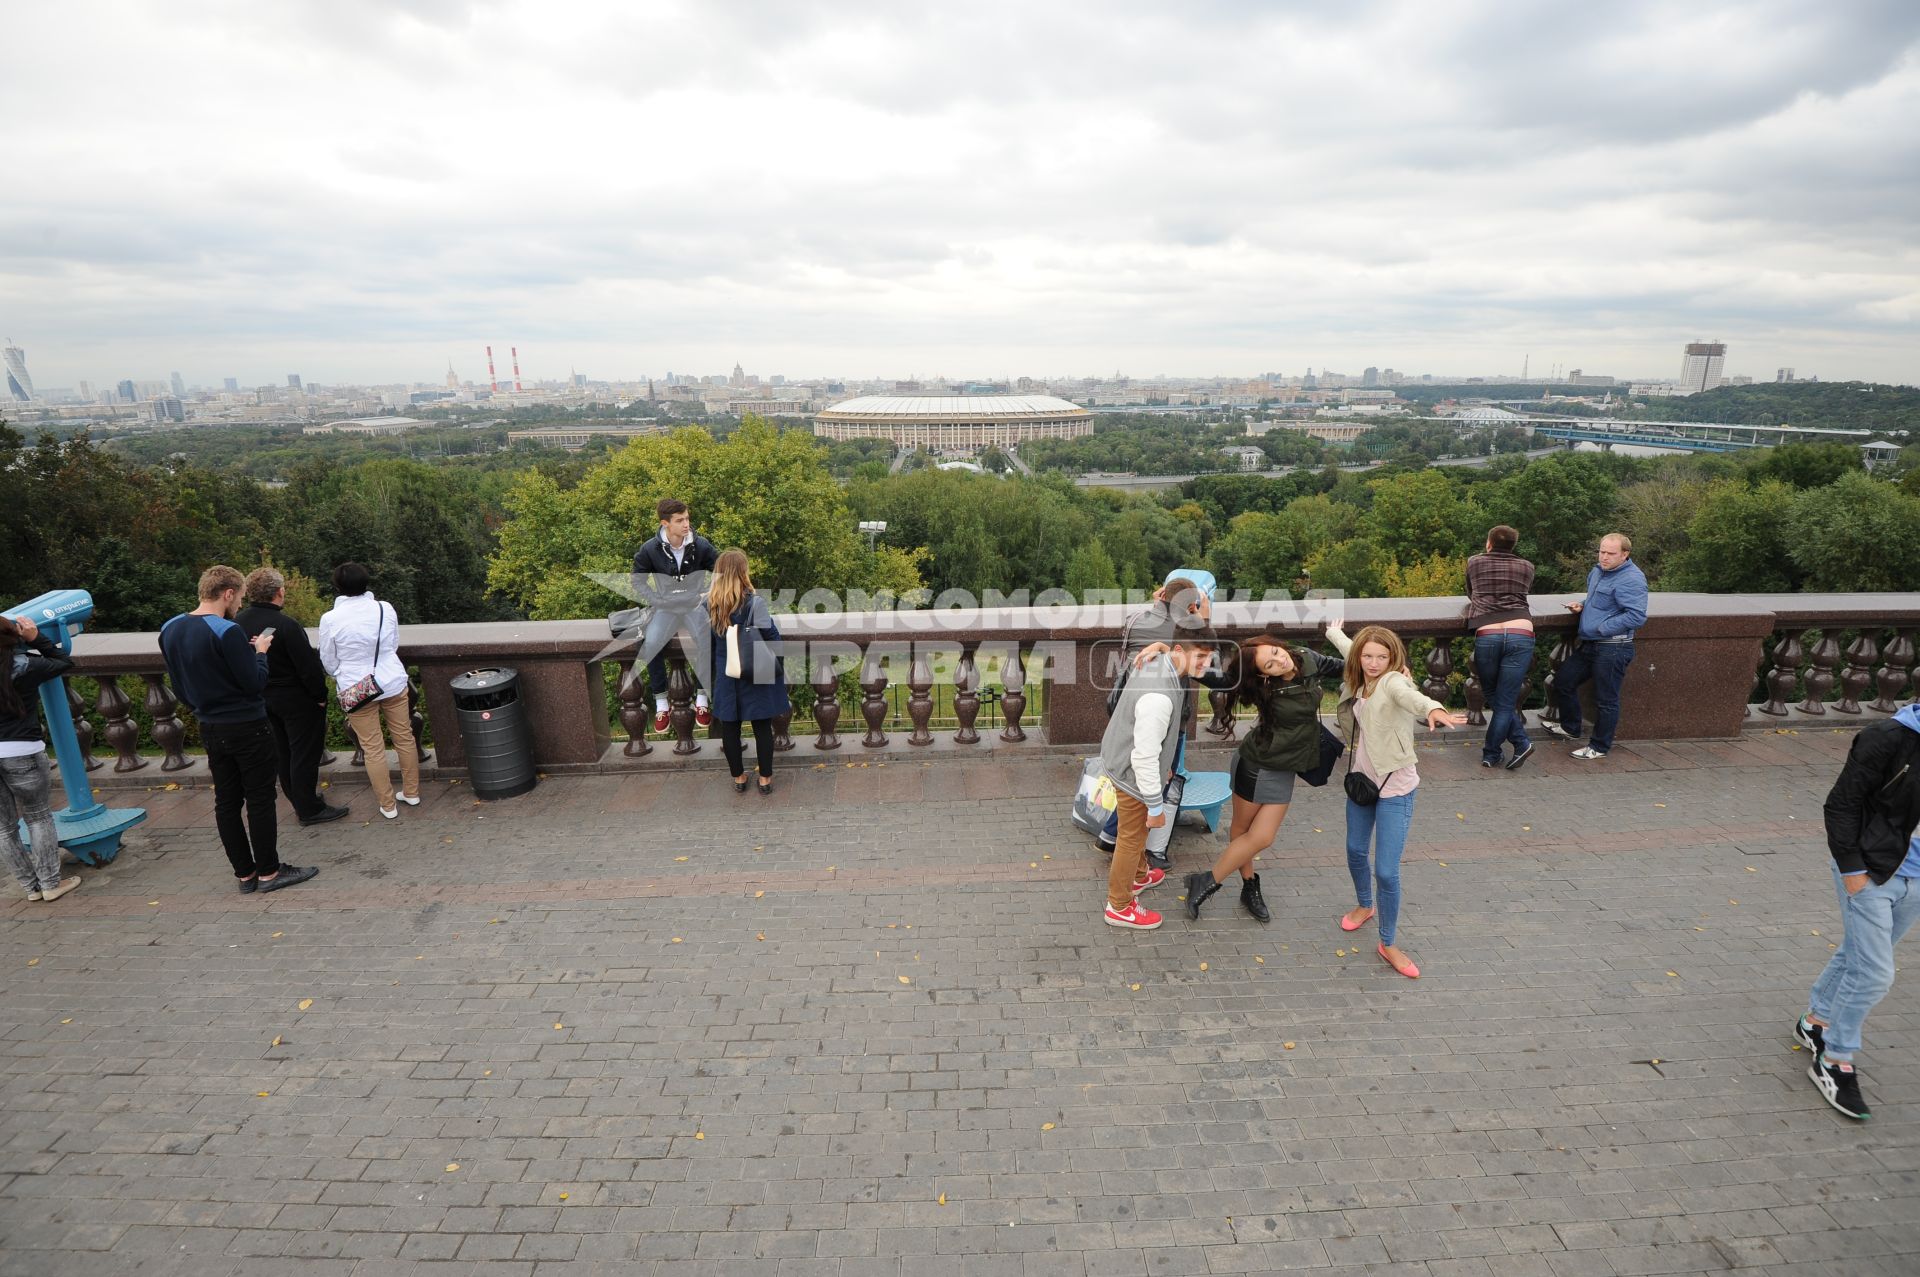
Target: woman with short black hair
[{"x": 360, "y": 649}]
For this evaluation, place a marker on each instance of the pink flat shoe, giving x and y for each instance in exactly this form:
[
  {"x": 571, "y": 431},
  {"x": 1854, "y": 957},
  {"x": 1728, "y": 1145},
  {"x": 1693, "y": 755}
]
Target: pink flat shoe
[
  {"x": 1355, "y": 926},
  {"x": 1410, "y": 971}
]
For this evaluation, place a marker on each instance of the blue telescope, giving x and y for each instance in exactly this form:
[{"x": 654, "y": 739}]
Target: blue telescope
[{"x": 87, "y": 827}]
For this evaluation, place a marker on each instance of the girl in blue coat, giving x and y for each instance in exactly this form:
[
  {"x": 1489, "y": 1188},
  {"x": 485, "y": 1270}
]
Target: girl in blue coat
[{"x": 757, "y": 694}]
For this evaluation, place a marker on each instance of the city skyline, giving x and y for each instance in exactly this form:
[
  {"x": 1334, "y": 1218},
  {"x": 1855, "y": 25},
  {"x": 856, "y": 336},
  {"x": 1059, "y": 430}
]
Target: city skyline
[{"x": 361, "y": 192}]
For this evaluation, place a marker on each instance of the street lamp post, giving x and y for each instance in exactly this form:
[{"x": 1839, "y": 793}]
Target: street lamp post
[{"x": 873, "y": 528}]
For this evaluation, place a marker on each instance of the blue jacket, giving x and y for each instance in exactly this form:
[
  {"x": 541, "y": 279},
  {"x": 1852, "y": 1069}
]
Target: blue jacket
[
  {"x": 1616, "y": 602},
  {"x": 761, "y": 689},
  {"x": 214, "y": 670}
]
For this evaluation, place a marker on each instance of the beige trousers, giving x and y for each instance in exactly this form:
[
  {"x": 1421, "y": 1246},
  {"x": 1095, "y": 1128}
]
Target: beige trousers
[{"x": 365, "y": 723}]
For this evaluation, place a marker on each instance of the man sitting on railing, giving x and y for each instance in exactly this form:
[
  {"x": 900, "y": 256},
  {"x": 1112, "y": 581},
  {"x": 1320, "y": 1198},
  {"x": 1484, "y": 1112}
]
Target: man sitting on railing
[{"x": 670, "y": 574}]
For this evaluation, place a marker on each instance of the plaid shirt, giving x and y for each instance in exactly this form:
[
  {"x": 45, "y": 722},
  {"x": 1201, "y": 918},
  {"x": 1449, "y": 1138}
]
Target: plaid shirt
[{"x": 1497, "y": 586}]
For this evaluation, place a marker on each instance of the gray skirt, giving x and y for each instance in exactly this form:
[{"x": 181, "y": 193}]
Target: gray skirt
[{"x": 1261, "y": 785}]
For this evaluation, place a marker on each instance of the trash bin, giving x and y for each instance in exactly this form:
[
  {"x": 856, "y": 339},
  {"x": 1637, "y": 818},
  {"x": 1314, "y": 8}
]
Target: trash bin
[{"x": 493, "y": 723}]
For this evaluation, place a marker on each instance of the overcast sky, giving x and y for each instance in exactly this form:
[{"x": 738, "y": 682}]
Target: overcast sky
[{"x": 363, "y": 190}]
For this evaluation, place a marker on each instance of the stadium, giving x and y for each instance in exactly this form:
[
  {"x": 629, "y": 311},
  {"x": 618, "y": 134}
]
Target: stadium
[{"x": 960, "y": 424}]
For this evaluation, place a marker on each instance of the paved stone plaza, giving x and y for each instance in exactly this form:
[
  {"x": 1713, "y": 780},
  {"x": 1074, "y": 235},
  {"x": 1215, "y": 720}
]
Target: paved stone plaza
[{"x": 874, "y": 1025}]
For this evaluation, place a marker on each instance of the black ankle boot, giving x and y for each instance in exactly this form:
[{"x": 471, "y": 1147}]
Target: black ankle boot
[
  {"x": 1250, "y": 899},
  {"x": 1199, "y": 887}
]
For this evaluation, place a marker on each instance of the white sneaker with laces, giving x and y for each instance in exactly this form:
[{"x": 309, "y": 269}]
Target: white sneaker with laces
[{"x": 1588, "y": 752}]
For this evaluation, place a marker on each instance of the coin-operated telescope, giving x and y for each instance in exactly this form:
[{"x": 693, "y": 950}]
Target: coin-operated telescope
[{"x": 87, "y": 827}]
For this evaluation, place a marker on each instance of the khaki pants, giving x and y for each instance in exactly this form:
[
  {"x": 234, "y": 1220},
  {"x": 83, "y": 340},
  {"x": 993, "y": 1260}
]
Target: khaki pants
[
  {"x": 365, "y": 723},
  {"x": 1129, "y": 851}
]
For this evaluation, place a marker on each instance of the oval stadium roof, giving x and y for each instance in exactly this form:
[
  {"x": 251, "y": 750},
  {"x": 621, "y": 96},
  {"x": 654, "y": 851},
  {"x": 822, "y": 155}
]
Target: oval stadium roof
[{"x": 956, "y": 407}]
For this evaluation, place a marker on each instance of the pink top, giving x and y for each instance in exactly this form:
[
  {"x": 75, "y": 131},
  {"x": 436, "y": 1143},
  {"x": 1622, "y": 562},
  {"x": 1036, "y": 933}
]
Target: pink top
[{"x": 1403, "y": 781}]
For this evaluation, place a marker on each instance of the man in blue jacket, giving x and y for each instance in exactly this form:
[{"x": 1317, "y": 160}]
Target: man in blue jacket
[{"x": 1615, "y": 606}]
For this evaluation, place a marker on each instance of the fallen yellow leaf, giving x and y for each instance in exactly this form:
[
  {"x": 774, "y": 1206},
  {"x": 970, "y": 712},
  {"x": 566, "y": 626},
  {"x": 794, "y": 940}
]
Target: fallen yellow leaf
[
  {"x": 942, "y": 1199},
  {"x": 1046, "y": 857},
  {"x": 1674, "y": 974},
  {"x": 153, "y": 902},
  {"x": 1257, "y": 958},
  {"x": 172, "y": 787},
  {"x": 1033, "y": 864},
  {"x": 275, "y": 1042},
  {"x": 1752, "y": 870},
  {"x": 68, "y": 1020},
  {"x": 488, "y": 1073},
  {"x": 1526, "y": 829},
  {"x": 1659, "y": 804},
  {"x": 680, "y": 859},
  {"x": 1203, "y": 966},
  {"x": 758, "y": 894},
  {"x": 563, "y": 1197},
  {"x": 491, "y": 921},
  {"x": 677, "y": 940},
  {"x": 1339, "y": 953},
  {"x": 559, "y": 1024},
  {"x": 1459, "y": 815},
  {"x": 33, "y": 962},
  {"x": 1814, "y": 933},
  {"x": 305, "y": 1003},
  {"x": 278, "y": 934},
  {"x": 1654, "y": 1061},
  {"x": 759, "y": 935},
  {"x": 906, "y": 979},
  {"x": 452, "y": 1167},
  {"x": 261, "y": 1094},
  {"x": 1134, "y": 987},
  {"x": 1441, "y": 863},
  {"x": 1286, "y": 1046},
  {"x": 699, "y": 1135},
  {"x": 1046, "y": 1126},
  {"x": 893, "y": 926}
]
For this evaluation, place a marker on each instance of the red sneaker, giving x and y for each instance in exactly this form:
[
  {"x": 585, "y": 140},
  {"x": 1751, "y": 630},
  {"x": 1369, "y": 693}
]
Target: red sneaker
[
  {"x": 1153, "y": 879},
  {"x": 702, "y": 716},
  {"x": 1135, "y": 917},
  {"x": 659, "y": 720}
]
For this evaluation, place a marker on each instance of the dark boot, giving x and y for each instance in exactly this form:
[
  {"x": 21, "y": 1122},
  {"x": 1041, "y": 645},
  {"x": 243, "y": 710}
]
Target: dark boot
[
  {"x": 1160, "y": 861},
  {"x": 1199, "y": 887},
  {"x": 1250, "y": 899}
]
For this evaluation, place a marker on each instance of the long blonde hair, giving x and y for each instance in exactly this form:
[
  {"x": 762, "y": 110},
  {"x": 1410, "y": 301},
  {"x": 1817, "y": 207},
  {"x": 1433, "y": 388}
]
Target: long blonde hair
[
  {"x": 1356, "y": 678},
  {"x": 730, "y": 584}
]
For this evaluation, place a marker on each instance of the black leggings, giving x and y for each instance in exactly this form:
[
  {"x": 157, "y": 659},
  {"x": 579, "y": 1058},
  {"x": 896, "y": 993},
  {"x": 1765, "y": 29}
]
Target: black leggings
[{"x": 736, "y": 753}]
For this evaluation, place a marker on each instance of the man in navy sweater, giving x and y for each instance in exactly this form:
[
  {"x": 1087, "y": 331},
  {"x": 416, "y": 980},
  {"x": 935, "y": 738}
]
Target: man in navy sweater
[{"x": 219, "y": 675}]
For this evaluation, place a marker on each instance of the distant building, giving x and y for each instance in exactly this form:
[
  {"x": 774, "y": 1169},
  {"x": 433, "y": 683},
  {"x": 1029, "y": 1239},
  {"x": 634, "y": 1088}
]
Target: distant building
[
  {"x": 293, "y": 381},
  {"x": 127, "y": 393},
  {"x": 573, "y": 438},
  {"x": 1371, "y": 377},
  {"x": 1701, "y": 367},
  {"x": 233, "y": 385},
  {"x": 964, "y": 423},
  {"x": 19, "y": 383},
  {"x": 1878, "y": 453},
  {"x": 167, "y": 408},
  {"x": 1324, "y": 431},
  {"x": 366, "y": 426},
  {"x": 1248, "y": 458},
  {"x": 1783, "y": 374},
  {"x": 770, "y": 407},
  {"x": 179, "y": 387},
  {"x": 739, "y": 377},
  {"x": 1578, "y": 378}
]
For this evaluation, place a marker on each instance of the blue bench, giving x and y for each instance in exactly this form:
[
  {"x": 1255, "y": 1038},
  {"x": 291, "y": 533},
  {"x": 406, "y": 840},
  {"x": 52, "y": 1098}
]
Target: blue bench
[{"x": 1207, "y": 793}]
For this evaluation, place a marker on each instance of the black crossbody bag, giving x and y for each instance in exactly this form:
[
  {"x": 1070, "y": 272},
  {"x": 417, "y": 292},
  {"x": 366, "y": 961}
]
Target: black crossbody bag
[{"x": 1360, "y": 788}]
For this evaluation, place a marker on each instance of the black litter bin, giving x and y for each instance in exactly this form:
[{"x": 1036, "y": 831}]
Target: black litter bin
[{"x": 493, "y": 723}]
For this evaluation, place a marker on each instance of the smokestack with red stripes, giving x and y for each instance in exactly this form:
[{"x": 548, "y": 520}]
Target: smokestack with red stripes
[
  {"x": 516, "y": 368},
  {"x": 493, "y": 382}
]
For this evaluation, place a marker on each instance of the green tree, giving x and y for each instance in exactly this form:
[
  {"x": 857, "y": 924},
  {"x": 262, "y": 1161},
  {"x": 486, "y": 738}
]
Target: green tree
[
  {"x": 1432, "y": 577},
  {"x": 1806, "y": 465},
  {"x": 1259, "y": 553},
  {"x": 1089, "y": 569},
  {"x": 1561, "y": 506},
  {"x": 1736, "y": 542},
  {"x": 1415, "y": 516},
  {"x": 1658, "y": 513},
  {"x": 1356, "y": 568},
  {"x": 1856, "y": 534}
]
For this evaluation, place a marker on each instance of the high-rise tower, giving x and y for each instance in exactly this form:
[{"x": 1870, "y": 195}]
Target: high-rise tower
[
  {"x": 1700, "y": 369},
  {"x": 19, "y": 384}
]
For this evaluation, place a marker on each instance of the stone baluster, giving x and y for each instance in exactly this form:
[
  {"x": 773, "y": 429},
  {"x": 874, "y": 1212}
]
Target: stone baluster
[
  {"x": 1892, "y": 678},
  {"x": 1013, "y": 696},
  {"x": 123, "y": 733},
  {"x": 680, "y": 709},
  {"x": 417, "y": 721},
  {"x": 873, "y": 702},
  {"x": 826, "y": 702},
  {"x": 1222, "y": 724},
  {"x": 1439, "y": 665},
  {"x": 966, "y": 696},
  {"x": 82, "y": 725},
  {"x": 1785, "y": 672},
  {"x": 1556, "y": 657},
  {"x": 920, "y": 697},
  {"x": 359, "y": 758},
  {"x": 636, "y": 710},
  {"x": 1861, "y": 654},
  {"x": 168, "y": 731},
  {"x": 783, "y": 728},
  {"x": 1476, "y": 695},
  {"x": 1820, "y": 677}
]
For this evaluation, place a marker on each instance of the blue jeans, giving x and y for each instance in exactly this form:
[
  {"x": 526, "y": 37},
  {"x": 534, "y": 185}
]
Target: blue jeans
[
  {"x": 26, "y": 789},
  {"x": 1502, "y": 662},
  {"x": 1860, "y": 971},
  {"x": 1606, "y": 664},
  {"x": 1383, "y": 825}
]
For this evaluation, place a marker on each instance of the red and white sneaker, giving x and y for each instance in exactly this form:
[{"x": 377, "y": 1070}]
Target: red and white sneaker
[
  {"x": 1153, "y": 879},
  {"x": 660, "y": 720},
  {"x": 702, "y": 716},
  {"x": 1135, "y": 917}
]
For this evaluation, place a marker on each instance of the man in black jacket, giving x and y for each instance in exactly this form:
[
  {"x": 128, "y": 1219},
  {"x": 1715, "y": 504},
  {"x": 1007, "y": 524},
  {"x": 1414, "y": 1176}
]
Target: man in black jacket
[
  {"x": 296, "y": 696},
  {"x": 670, "y": 574},
  {"x": 1871, "y": 814}
]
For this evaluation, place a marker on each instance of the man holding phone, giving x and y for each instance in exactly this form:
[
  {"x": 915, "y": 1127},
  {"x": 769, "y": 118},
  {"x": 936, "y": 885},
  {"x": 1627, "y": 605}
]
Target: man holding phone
[
  {"x": 1614, "y": 607},
  {"x": 296, "y": 696},
  {"x": 220, "y": 676}
]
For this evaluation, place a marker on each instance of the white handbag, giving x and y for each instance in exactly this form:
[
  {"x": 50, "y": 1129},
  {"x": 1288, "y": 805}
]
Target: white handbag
[{"x": 734, "y": 668}]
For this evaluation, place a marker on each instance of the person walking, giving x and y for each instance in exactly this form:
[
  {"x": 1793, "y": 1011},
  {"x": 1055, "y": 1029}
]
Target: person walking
[
  {"x": 1378, "y": 708},
  {"x": 670, "y": 576},
  {"x": 220, "y": 676},
  {"x": 1137, "y": 755},
  {"x": 28, "y": 658},
  {"x": 360, "y": 648},
  {"x": 1501, "y": 619},
  {"x": 1282, "y": 683},
  {"x": 1614, "y": 607},
  {"x": 1872, "y": 813},
  {"x": 296, "y": 695},
  {"x": 753, "y": 690}
]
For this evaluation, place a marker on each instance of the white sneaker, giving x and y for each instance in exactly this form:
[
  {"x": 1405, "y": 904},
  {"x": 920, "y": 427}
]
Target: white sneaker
[
  {"x": 1588, "y": 752},
  {"x": 390, "y": 813},
  {"x": 1554, "y": 729},
  {"x": 66, "y": 885},
  {"x": 409, "y": 800}
]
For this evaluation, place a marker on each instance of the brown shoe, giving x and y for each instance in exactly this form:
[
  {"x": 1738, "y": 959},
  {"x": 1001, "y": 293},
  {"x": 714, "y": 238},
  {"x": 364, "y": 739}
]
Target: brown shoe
[{"x": 66, "y": 885}]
